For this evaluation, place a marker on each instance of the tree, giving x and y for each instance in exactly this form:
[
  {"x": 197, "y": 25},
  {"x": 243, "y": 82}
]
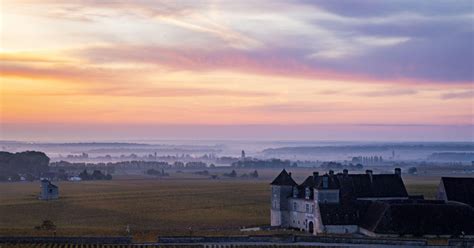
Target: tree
[
  {"x": 231, "y": 174},
  {"x": 97, "y": 175},
  {"x": 412, "y": 170},
  {"x": 84, "y": 175},
  {"x": 29, "y": 177},
  {"x": 31, "y": 162},
  {"x": 152, "y": 172},
  {"x": 254, "y": 174},
  {"x": 15, "y": 178}
]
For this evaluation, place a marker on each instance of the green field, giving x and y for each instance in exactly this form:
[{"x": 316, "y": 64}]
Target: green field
[{"x": 149, "y": 206}]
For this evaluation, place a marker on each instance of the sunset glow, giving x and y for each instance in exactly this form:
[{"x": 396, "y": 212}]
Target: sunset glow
[{"x": 92, "y": 67}]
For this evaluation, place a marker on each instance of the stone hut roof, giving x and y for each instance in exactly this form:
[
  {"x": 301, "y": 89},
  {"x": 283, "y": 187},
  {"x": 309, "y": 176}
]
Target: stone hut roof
[
  {"x": 49, "y": 183},
  {"x": 284, "y": 179},
  {"x": 460, "y": 189}
]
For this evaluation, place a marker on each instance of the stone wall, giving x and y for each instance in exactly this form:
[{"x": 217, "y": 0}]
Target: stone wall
[
  {"x": 280, "y": 207},
  {"x": 65, "y": 240}
]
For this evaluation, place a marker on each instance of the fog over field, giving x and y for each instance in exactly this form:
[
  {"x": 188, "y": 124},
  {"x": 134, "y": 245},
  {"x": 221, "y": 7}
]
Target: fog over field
[
  {"x": 236, "y": 123},
  {"x": 293, "y": 150}
]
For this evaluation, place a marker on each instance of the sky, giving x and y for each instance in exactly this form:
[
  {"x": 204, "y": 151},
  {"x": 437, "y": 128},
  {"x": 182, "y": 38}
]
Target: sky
[{"x": 310, "y": 70}]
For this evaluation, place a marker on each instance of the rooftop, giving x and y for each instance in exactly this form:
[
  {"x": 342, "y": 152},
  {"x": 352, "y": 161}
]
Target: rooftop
[
  {"x": 460, "y": 189},
  {"x": 284, "y": 178}
]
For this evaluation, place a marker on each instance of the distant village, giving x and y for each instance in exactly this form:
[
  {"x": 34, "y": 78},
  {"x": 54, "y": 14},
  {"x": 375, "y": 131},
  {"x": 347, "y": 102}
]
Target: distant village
[{"x": 32, "y": 165}]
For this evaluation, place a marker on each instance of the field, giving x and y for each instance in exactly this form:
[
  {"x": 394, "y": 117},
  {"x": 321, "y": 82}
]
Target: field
[{"x": 150, "y": 206}]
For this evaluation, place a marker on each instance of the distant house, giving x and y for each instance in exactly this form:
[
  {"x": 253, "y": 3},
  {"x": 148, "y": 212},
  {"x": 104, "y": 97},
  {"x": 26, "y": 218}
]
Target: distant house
[
  {"x": 49, "y": 191},
  {"x": 369, "y": 204},
  {"x": 459, "y": 189},
  {"x": 75, "y": 179}
]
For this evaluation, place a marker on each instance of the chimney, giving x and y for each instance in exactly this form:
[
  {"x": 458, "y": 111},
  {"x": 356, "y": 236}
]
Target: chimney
[
  {"x": 345, "y": 172},
  {"x": 315, "y": 174},
  {"x": 369, "y": 172},
  {"x": 289, "y": 174},
  {"x": 398, "y": 172}
]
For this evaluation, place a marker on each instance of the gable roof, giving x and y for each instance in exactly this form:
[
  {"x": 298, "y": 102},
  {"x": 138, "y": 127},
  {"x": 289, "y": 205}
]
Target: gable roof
[
  {"x": 418, "y": 218},
  {"x": 284, "y": 179},
  {"x": 353, "y": 186},
  {"x": 379, "y": 185},
  {"x": 460, "y": 189},
  {"x": 339, "y": 214},
  {"x": 387, "y": 185}
]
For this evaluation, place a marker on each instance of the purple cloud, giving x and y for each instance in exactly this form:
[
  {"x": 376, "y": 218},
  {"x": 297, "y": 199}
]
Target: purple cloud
[{"x": 459, "y": 95}]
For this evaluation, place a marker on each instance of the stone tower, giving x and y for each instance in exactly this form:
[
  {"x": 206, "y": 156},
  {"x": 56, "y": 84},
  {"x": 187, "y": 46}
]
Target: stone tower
[{"x": 282, "y": 190}]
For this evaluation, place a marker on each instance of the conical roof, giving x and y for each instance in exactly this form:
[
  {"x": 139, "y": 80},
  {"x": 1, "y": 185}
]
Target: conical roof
[{"x": 284, "y": 179}]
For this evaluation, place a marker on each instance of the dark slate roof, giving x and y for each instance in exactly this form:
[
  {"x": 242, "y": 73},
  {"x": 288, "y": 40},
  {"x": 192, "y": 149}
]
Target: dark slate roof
[
  {"x": 460, "y": 189},
  {"x": 310, "y": 182},
  {"x": 381, "y": 185},
  {"x": 353, "y": 186},
  {"x": 333, "y": 182},
  {"x": 339, "y": 214},
  {"x": 418, "y": 218},
  {"x": 284, "y": 179},
  {"x": 387, "y": 185}
]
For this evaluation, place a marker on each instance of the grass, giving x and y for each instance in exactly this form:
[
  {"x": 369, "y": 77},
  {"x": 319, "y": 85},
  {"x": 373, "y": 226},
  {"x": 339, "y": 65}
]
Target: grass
[{"x": 150, "y": 207}]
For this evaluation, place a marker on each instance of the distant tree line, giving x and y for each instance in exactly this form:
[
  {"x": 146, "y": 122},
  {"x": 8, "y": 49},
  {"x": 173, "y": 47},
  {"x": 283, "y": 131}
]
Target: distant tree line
[
  {"x": 257, "y": 163},
  {"x": 138, "y": 164},
  {"x": 96, "y": 175},
  {"x": 367, "y": 159},
  {"x": 154, "y": 172},
  {"x": 68, "y": 166},
  {"x": 29, "y": 165},
  {"x": 336, "y": 165},
  {"x": 452, "y": 156},
  {"x": 233, "y": 174}
]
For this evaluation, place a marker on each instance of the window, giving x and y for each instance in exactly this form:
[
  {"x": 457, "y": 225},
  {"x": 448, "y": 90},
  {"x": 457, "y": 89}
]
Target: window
[
  {"x": 307, "y": 208},
  {"x": 295, "y": 206},
  {"x": 325, "y": 182}
]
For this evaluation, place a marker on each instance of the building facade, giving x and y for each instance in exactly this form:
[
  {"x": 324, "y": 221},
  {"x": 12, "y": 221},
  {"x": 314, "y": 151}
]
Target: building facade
[{"x": 369, "y": 204}]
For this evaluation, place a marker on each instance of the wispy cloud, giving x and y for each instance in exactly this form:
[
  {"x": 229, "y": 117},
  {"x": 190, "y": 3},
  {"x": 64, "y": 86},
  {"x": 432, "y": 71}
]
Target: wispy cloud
[
  {"x": 299, "y": 107},
  {"x": 388, "y": 92},
  {"x": 238, "y": 62},
  {"x": 458, "y": 95}
]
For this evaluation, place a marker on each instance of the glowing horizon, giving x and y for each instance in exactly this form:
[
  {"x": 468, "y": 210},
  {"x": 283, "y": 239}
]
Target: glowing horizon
[{"x": 92, "y": 67}]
